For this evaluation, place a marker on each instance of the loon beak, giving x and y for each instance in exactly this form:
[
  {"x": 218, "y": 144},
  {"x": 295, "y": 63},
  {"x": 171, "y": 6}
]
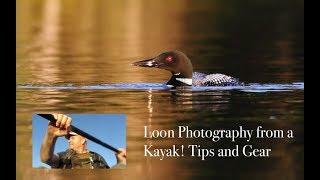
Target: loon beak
[{"x": 146, "y": 63}]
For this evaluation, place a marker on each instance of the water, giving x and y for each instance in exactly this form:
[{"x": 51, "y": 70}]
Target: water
[
  {"x": 252, "y": 87},
  {"x": 75, "y": 57}
]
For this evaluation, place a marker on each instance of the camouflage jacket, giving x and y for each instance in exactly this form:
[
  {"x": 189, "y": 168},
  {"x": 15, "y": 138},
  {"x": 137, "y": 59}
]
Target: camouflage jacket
[{"x": 69, "y": 159}]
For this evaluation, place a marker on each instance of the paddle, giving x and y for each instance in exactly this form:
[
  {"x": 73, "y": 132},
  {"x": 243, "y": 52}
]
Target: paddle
[{"x": 50, "y": 117}]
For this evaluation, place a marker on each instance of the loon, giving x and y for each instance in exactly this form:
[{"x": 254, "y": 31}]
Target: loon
[{"x": 182, "y": 71}]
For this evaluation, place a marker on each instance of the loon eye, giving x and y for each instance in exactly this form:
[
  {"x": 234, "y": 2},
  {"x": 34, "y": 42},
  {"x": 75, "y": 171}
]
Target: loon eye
[{"x": 169, "y": 59}]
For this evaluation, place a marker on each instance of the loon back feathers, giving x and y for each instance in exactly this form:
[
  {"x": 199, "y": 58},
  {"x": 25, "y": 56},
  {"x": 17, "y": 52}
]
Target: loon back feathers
[{"x": 201, "y": 79}]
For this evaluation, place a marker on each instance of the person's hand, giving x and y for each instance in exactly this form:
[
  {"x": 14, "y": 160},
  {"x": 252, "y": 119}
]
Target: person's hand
[
  {"x": 61, "y": 127},
  {"x": 121, "y": 156}
]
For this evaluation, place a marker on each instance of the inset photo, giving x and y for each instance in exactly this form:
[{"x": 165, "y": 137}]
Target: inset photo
[{"x": 79, "y": 141}]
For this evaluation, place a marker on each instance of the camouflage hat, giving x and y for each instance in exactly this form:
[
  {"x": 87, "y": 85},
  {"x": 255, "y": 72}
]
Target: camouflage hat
[{"x": 71, "y": 133}]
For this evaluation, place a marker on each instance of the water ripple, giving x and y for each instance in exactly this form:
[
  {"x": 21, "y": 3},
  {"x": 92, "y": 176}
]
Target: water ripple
[{"x": 252, "y": 87}]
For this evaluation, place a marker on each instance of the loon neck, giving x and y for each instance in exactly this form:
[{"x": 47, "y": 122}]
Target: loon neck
[{"x": 179, "y": 80}]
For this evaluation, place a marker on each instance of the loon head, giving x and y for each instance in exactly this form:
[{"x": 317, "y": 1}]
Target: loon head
[{"x": 174, "y": 61}]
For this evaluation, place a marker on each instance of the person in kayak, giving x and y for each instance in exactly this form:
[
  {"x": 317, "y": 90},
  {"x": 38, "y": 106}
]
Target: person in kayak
[{"x": 77, "y": 156}]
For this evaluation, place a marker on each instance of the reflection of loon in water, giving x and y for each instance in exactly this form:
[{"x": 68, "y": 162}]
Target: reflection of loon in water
[{"x": 182, "y": 71}]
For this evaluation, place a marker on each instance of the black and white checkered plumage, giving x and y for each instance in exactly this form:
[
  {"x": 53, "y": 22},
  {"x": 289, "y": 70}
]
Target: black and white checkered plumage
[{"x": 201, "y": 79}]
